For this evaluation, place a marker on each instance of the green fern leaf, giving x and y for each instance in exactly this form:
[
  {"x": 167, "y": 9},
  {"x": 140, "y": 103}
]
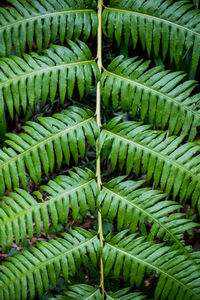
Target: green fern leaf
[
  {"x": 54, "y": 139},
  {"x": 174, "y": 25},
  {"x": 132, "y": 206},
  {"x": 86, "y": 292},
  {"x": 25, "y": 81},
  {"x": 166, "y": 161},
  {"x": 82, "y": 292},
  {"x": 178, "y": 278},
  {"x": 30, "y": 270},
  {"x": 18, "y": 211},
  {"x": 150, "y": 243},
  {"x": 124, "y": 295},
  {"x": 159, "y": 94},
  {"x": 42, "y": 22}
]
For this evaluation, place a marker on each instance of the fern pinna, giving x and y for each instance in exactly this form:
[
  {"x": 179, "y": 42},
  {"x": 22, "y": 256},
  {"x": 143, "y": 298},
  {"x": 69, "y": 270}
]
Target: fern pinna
[{"x": 100, "y": 186}]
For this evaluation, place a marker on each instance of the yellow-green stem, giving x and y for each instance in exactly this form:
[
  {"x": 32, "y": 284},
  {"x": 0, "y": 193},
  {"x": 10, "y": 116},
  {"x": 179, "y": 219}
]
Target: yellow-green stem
[
  {"x": 99, "y": 61},
  {"x": 98, "y": 117}
]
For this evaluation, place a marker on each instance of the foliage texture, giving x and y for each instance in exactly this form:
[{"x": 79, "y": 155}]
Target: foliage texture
[{"x": 92, "y": 210}]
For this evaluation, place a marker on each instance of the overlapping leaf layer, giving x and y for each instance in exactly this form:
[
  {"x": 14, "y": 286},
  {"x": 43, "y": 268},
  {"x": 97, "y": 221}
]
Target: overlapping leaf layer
[
  {"x": 156, "y": 93},
  {"x": 172, "y": 26},
  {"x": 44, "y": 145},
  {"x": 169, "y": 163},
  {"x": 42, "y": 22},
  {"x": 146, "y": 249}
]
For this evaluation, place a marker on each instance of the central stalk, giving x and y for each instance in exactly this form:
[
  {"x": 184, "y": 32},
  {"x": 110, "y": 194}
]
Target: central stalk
[{"x": 98, "y": 118}]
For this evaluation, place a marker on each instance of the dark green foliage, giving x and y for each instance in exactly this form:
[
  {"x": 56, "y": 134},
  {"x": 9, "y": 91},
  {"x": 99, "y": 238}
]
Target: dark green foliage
[
  {"x": 133, "y": 257},
  {"x": 133, "y": 206},
  {"x": 125, "y": 295},
  {"x": 18, "y": 211},
  {"x": 42, "y": 22},
  {"x": 170, "y": 164},
  {"x": 170, "y": 25},
  {"x": 81, "y": 291},
  {"x": 154, "y": 92},
  {"x": 24, "y": 81},
  {"x": 45, "y": 145},
  {"x": 30, "y": 270},
  {"x": 144, "y": 175}
]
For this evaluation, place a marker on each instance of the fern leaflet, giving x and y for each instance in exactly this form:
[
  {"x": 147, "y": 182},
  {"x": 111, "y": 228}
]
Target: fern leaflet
[
  {"x": 42, "y": 22},
  {"x": 30, "y": 270},
  {"x": 159, "y": 94},
  {"x": 18, "y": 211},
  {"x": 54, "y": 139},
  {"x": 125, "y": 295},
  {"x": 82, "y": 292},
  {"x": 172, "y": 25},
  {"x": 169, "y": 163},
  {"x": 26, "y": 80},
  {"x": 133, "y": 257},
  {"x": 133, "y": 206},
  {"x": 88, "y": 292}
]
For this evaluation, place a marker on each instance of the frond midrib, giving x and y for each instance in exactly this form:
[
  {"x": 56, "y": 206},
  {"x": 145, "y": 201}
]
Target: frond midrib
[
  {"x": 152, "y": 17},
  {"x": 46, "y": 15},
  {"x": 49, "y": 260},
  {"x": 48, "y": 69},
  {"x": 143, "y": 86},
  {"x": 50, "y": 199},
  {"x": 152, "y": 267},
  {"x": 44, "y": 141},
  {"x": 152, "y": 217},
  {"x": 163, "y": 157},
  {"x": 92, "y": 294}
]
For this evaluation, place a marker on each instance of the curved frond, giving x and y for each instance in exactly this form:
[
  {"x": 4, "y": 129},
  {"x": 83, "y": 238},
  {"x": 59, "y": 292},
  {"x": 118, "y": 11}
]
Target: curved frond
[
  {"x": 43, "y": 145},
  {"x": 82, "y": 292},
  {"x": 20, "y": 212},
  {"x": 177, "y": 277},
  {"x": 41, "y": 22},
  {"x": 174, "y": 26},
  {"x": 30, "y": 271},
  {"x": 25, "y": 80},
  {"x": 158, "y": 94},
  {"x": 166, "y": 161},
  {"x": 133, "y": 206},
  {"x": 125, "y": 295}
]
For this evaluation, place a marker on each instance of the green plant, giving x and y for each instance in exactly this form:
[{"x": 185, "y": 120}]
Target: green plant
[{"x": 147, "y": 152}]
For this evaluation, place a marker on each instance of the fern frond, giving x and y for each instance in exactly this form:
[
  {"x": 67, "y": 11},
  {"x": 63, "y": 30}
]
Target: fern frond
[
  {"x": 133, "y": 206},
  {"x": 30, "y": 270},
  {"x": 178, "y": 278},
  {"x": 25, "y": 80},
  {"x": 172, "y": 25},
  {"x": 124, "y": 295},
  {"x": 43, "y": 145},
  {"x": 42, "y": 22},
  {"x": 82, "y": 292},
  {"x": 159, "y": 94},
  {"x": 18, "y": 211},
  {"x": 88, "y": 292},
  {"x": 166, "y": 161}
]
